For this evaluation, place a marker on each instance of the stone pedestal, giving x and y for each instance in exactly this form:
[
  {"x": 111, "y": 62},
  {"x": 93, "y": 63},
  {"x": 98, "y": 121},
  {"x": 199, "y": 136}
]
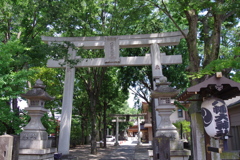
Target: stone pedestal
[
  {"x": 34, "y": 143},
  {"x": 166, "y": 128}
]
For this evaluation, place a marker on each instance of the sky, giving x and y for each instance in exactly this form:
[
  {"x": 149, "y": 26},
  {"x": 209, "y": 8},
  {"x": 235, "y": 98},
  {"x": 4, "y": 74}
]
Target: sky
[
  {"x": 131, "y": 100},
  {"x": 22, "y": 103}
]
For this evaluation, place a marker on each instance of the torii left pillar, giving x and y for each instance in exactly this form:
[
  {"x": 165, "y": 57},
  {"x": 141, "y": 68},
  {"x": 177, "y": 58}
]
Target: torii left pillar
[
  {"x": 66, "y": 116},
  {"x": 139, "y": 131}
]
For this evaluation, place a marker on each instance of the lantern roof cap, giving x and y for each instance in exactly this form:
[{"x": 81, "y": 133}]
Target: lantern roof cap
[
  {"x": 217, "y": 86},
  {"x": 164, "y": 90},
  {"x": 37, "y": 92},
  {"x": 39, "y": 84}
]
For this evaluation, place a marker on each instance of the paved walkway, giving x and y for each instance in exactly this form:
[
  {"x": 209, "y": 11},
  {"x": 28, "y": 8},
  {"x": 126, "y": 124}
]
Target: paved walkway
[{"x": 127, "y": 150}]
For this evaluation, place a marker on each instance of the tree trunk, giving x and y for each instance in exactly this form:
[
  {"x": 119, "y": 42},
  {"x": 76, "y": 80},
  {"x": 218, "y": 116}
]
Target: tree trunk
[
  {"x": 16, "y": 113},
  {"x": 93, "y": 124},
  {"x": 194, "y": 60},
  {"x": 207, "y": 41},
  {"x": 211, "y": 42},
  {"x": 82, "y": 133},
  {"x": 104, "y": 125},
  {"x": 100, "y": 136},
  {"x": 216, "y": 36}
]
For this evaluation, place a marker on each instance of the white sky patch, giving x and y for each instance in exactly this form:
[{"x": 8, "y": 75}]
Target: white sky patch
[
  {"x": 131, "y": 99},
  {"x": 22, "y": 103},
  {"x": 203, "y": 13}
]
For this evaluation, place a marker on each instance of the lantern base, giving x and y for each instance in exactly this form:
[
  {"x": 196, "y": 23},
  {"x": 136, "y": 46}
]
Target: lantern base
[
  {"x": 34, "y": 135},
  {"x": 35, "y": 145},
  {"x": 172, "y": 134},
  {"x": 175, "y": 143},
  {"x": 43, "y": 154}
]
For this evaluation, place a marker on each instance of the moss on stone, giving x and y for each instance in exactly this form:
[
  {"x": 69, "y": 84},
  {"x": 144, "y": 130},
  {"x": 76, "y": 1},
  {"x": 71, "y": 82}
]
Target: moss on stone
[{"x": 230, "y": 155}]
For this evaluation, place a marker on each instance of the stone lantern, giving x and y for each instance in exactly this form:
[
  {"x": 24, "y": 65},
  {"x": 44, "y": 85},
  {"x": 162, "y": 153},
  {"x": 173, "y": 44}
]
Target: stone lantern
[
  {"x": 164, "y": 93},
  {"x": 34, "y": 143}
]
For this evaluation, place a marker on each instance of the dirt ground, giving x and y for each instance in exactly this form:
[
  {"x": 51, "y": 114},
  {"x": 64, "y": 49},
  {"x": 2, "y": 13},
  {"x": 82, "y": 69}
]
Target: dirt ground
[{"x": 82, "y": 152}]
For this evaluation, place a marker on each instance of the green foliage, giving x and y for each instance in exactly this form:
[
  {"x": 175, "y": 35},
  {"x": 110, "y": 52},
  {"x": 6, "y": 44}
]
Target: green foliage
[
  {"x": 50, "y": 123},
  {"x": 177, "y": 74},
  {"x": 76, "y": 130},
  {"x": 220, "y": 65},
  {"x": 179, "y": 105},
  {"x": 13, "y": 84},
  {"x": 9, "y": 122},
  {"x": 52, "y": 78},
  {"x": 137, "y": 79},
  {"x": 22, "y": 23},
  {"x": 183, "y": 127}
]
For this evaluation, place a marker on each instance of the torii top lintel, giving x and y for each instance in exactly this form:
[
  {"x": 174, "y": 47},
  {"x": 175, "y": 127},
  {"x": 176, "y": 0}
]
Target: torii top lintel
[
  {"x": 111, "y": 45},
  {"x": 125, "y": 41}
]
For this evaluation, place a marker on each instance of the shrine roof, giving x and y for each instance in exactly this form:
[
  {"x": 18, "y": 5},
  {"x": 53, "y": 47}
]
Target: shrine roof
[
  {"x": 234, "y": 104},
  {"x": 135, "y": 128},
  {"x": 217, "y": 86}
]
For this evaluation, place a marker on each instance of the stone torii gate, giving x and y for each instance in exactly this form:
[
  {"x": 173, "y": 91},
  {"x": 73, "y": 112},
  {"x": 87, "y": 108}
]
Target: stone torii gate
[
  {"x": 117, "y": 116},
  {"x": 111, "y": 46}
]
